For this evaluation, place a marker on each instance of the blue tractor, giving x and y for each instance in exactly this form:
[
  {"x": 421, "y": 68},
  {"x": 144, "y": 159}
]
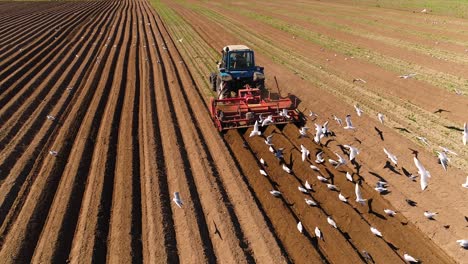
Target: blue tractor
[{"x": 236, "y": 70}]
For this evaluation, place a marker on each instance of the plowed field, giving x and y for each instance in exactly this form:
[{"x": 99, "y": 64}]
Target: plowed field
[{"x": 103, "y": 116}]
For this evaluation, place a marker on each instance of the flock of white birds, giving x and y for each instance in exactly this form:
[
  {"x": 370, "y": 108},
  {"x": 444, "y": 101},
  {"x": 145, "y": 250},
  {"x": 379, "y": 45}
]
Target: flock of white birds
[{"x": 320, "y": 132}]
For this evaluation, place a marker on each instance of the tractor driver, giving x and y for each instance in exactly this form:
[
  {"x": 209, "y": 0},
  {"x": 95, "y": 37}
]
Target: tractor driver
[{"x": 239, "y": 61}]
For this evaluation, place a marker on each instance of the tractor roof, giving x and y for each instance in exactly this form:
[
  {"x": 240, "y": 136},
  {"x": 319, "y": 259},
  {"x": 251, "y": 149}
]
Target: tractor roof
[{"x": 237, "y": 47}]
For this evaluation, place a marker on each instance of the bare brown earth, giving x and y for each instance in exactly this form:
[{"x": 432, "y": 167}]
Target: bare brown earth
[{"x": 132, "y": 127}]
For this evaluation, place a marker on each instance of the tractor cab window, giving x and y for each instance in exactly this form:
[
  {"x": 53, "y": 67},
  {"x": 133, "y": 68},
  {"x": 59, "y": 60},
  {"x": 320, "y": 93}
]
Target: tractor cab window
[{"x": 241, "y": 60}]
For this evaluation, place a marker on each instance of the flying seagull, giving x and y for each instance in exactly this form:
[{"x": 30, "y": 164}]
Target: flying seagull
[
  {"x": 465, "y": 185},
  {"x": 267, "y": 121},
  {"x": 430, "y": 215},
  {"x": 423, "y": 173},
  {"x": 381, "y": 118},
  {"x": 463, "y": 243},
  {"x": 352, "y": 151},
  {"x": 358, "y": 110},
  {"x": 423, "y": 140},
  {"x": 407, "y": 76},
  {"x": 465, "y": 134},
  {"x": 349, "y": 125},
  {"x": 319, "y": 158},
  {"x": 341, "y": 161},
  {"x": 268, "y": 140},
  {"x": 53, "y": 153},
  {"x": 255, "y": 131},
  {"x": 318, "y": 133},
  {"x": 303, "y": 131},
  {"x": 177, "y": 199},
  {"x": 443, "y": 159},
  {"x": 391, "y": 157},
  {"x": 338, "y": 120},
  {"x": 359, "y": 198},
  {"x": 446, "y": 150},
  {"x": 284, "y": 113}
]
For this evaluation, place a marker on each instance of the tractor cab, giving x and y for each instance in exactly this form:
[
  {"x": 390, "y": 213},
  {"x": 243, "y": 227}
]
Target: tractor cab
[{"x": 236, "y": 70}]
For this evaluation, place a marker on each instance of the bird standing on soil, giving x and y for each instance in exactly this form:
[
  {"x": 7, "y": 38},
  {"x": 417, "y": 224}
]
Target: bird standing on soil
[
  {"x": 423, "y": 140},
  {"x": 430, "y": 215},
  {"x": 332, "y": 187},
  {"x": 342, "y": 198},
  {"x": 302, "y": 189},
  {"x": 349, "y": 124},
  {"x": 321, "y": 178},
  {"x": 331, "y": 222},
  {"x": 275, "y": 193},
  {"x": 310, "y": 202},
  {"x": 407, "y": 76},
  {"x": 177, "y": 199},
  {"x": 53, "y": 153},
  {"x": 349, "y": 177},
  {"x": 299, "y": 227},
  {"x": 375, "y": 231},
  {"x": 255, "y": 131},
  {"x": 315, "y": 168},
  {"x": 389, "y": 212},
  {"x": 409, "y": 258},
  {"x": 50, "y": 117},
  {"x": 318, "y": 233},
  {"x": 263, "y": 162},
  {"x": 391, "y": 157},
  {"x": 307, "y": 185},
  {"x": 286, "y": 169},
  {"x": 305, "y": 153},
  {"x": 262, "y": 172},
  {"x": 463, "y": 243},
  {"x": 425, "y": 175}
]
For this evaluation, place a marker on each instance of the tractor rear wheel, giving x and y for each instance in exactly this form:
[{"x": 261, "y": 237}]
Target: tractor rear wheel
[{"x": 213, "y": 77}]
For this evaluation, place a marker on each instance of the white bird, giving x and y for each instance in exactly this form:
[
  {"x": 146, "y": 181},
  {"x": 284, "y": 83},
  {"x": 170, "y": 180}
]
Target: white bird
[
  {"x": 180, "y": 40},
  {"x": 332, "y": 187},
  {"x": 359, "y": 198},
  {"x": 353, "y": 151},
  {"x": 302, "y": 189},
  {"x": 446, "y": 150},
  {"x": 333, "y": 162},
  {"x": 465, "y": 185},
  {"x": 275, "y": 193},
  {"x": 315, "y": 168},
  {"x": 262, "y": 172},
  {"x": 312, "y": 114},
  {"x": 465, "y": 134},
  {"x": 338, "y": 120},
  {"x": 407, "y": 76},
  {"x": 375, "y": 231},
  {"x": 286, "y": 169},
  {"x": 255, "y": 131},
  {"x": 325, "y": 130},
  {"x": 342, "y": 198},
  {"x": 177, "y": 199},
  {"x": 303, "y": 131},
  {"x": 358, "y": 110},
  {"x": 307, "y": 185},
  {"x": 423, "y": 140},
  {"x": 310, "y": 202},
  {"x": 53, "y": 153},
  {"x": 299, "y": 227},
  {"x": 284, "y": 113},
  {"x": 268, "y": 140},
  {"x": 409, "y": 258},
  {"x": 260, "y": 118},
  {"x": 423, "y": 173},
  {"x": 443, "y": 159},
  {"x": 349, "y": 124},
  {"x": 389, "y": 212},
  {"x": 318, "y": 134},
  {"x": 262, "y": 161},
  {"x": 318, "y": 233},
  {"x": 267, "y": 121},
  {"x": 430, "y": 215},
  {"x": 381, "y": 118},
  {"x": 271, "y": 149},
  {"x": 321, "y": 178},
  {"x": 463, "y": 243},
  {"x": 331, "y": 222},
  {"x": 380, "y": 189},
  {"x": 349, "y": 177},
  {"x": 319, "y": 158},
  {"x": 305, "y": 153},
  {"x": 341, "y": 160},
  {"x": 391, "y": 157},
  {"x": 50, "y": 117}
]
